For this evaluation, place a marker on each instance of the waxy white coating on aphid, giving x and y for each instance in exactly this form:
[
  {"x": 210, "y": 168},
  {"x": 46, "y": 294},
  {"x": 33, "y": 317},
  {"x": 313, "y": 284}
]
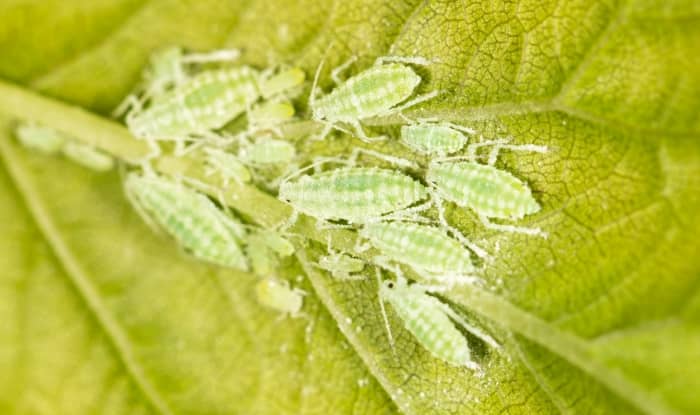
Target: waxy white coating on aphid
[
  {"x": 88, "y": 156},
  {"x": 354, "y": 194},
  {"x": 40, "y": 138},
  {"x": 205, "y": 102},
  {"x": 490, "y": 192},
  {"x": 427, "y": 319},
  {"x": 426, "y": 249},
  {"x": 434, "y": 139},
  {"x": 189, "y": 217},
  {"x": 278, "y": 295},
  {"x": 227, "y": 165},
  {"x": 342, "y": 266},
  {"x": 267, "y": 150}
]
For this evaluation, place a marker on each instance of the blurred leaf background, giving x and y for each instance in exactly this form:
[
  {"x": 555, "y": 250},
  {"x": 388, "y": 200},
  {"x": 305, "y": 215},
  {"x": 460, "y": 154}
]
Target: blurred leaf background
[{"x": 100, "y": 315}]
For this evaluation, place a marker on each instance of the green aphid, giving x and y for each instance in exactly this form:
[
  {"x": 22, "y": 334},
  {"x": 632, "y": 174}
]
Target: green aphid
[
  {"x": 191, "y": 218},
  {"x": 278, "y": 295},
  {"x": 88, "y": 156},
  {"x": 432, "y": 323},
  {"x": 342, "y": 266},
  {"x": 40, "y": 138},
  {"x": 435, "y": 139}
]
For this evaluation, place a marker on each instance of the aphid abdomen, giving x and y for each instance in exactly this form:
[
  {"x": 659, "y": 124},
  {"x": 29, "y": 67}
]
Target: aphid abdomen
[
  {"x": 432, "y": 139},
  {"x": 487, "y": 190},
  {"x": 206, "y": 101},
  {"x": 368, "y": 94},
  {"x": 189, "y": 217},
  {"x": 278, "y": 295},
  {"x": 423, "y": 316},
  {"x": 353, "y": 194},
  {"x": 425, "y": 248}
]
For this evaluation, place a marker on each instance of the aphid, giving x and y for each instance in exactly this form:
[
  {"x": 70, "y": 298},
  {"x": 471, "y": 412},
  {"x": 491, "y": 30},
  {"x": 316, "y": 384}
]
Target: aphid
[
  {"x": 431, "y": 322},
  {"x": 267, "y": 150},
  {"x": 355, "y": 194},
  {"x": 189, "y": 217},
  {"x": 278, "y": 295},
  {"x": 488, "y": 191},
  {"x": 40, "y": 138},
  {"x": 207, "y": 101},
  {"x": 375, "y": 92},
  {"x": 342, "y": 266},
  {"x": 427, "y": 249},
  {"x": 227, "y": 165},
  {"x": 264, "y": 247},
  {"x": 88, "y": 156},
  {"x": 435, "y": 139},
  {"x": 166, "y": 69},
  {"x": 269, "y": 116}
]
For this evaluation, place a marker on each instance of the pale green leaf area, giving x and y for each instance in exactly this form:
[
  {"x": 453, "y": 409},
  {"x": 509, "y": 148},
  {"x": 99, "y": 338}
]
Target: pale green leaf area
[{"x": 99, "y": 314}]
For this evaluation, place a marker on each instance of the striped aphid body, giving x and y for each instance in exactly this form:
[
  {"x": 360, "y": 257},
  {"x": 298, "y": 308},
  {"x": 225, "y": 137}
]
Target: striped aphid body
[
  {"x": 488, "y": 191},
  {"x": 267, "y": 150},
  {"x": 189, "y": 217},
  {"x": 428, "y": 250},
  {"x": 376, "y": 91},
  {"x": 429, "y": 321},
  {"x": 354, "y": 194},
  {"x": 278, "y": 295},
  {"x": 207, "y": 101},
  {"x": 435, "y": 139}
]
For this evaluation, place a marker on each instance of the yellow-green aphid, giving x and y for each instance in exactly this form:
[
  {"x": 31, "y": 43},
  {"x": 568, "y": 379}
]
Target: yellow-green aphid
[
  {"x": 431, "y": 323},
  {"x": 278, "y": 295},
  {"x": 430, "y": 252},
  {"x": 488, "y": 191},
  {"x": 189, "y": 217},
  {"x": 88, "y": 156},
  {"x": 207, "y": 101},
  {"x": 40, "y": 138},
  {"x": 354, "y": 194},
  {"x": 435, "y": 139},
  {"x": 380, "y": 90},
  {"x": 227, "y": 165},
  {"x": 267, "y": 150},
  {"x": 342, "y": 266},
  {"x": 264, "y": 248},
  {"x": 269, "y": 115}
]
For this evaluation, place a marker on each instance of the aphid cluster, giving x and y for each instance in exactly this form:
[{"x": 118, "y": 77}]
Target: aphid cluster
[{"x": 190, "y": 103}]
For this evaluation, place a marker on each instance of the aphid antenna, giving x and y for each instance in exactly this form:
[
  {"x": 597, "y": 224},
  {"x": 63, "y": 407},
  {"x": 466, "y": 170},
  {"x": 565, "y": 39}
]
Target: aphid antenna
[
  {"x": 493, "y": 155},
  {"x": 439, "y": 204},
  {"x": 415, "y": 60},
  {"x": 469, "y": 327},
  {"x": 314, "y": 85},
  {"x": 512, "y": 228},
  {"x": 382, "y": 308},
  {"x": 415, "y": 101},
  {"x": 343, "y": 67},
  {"x": 398, "y": 161}
]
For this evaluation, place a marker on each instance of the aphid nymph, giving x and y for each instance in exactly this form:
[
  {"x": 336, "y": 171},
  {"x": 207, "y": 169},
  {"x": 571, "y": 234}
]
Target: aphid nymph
[
  {"x": 430, "y": 321},
  {"x": 381, "y": 90},
  {"x": 278, "y": 295}
]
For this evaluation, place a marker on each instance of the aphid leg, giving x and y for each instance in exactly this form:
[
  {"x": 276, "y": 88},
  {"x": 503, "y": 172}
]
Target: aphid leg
[
  {"x": 493, "y": 155},
  {"x": 129, "y": 104},
  {"x": 398, "y": 161},
  {"x": 415, "y": 60},
  {"x": 335, "y": 73},
  {"x": 415, "y": 101},
  {"x": 469, "y": 327},
  {"x": 291, "y": 220},
  {"x": 223, "y": 55},
  {"x": 511, "y": 228},
  {"x": 385, "y": 317},
  {"x": 473, "y": 148},
  {"x": 411, "y": 214},
  {"x": 440, "y": 206},
  {"x": 360, "y": 132},
  {"x": 461, "y": 128},
  {"x": 141, "y": 211}
]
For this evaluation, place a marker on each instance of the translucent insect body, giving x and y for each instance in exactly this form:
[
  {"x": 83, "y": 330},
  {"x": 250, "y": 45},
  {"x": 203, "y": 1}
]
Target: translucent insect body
[
  {"x": 278, "y": 295},
  {"x": 377, "y": 91},
  {"x": 190, "y": 217},
  {"x": 431, "y": 323},
  {"x": 355, "y": 194},
  {"x": 427, "y": 249},
  {"x": 435, "y": 139}
]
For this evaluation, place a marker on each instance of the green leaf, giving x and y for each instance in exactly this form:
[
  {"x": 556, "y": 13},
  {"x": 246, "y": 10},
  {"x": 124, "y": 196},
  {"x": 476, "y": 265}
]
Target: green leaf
[{"x": 99, "y": 314}]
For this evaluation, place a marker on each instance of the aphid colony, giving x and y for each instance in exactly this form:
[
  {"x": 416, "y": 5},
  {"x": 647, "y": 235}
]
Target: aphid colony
[{"x": 188, "y": 100}]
